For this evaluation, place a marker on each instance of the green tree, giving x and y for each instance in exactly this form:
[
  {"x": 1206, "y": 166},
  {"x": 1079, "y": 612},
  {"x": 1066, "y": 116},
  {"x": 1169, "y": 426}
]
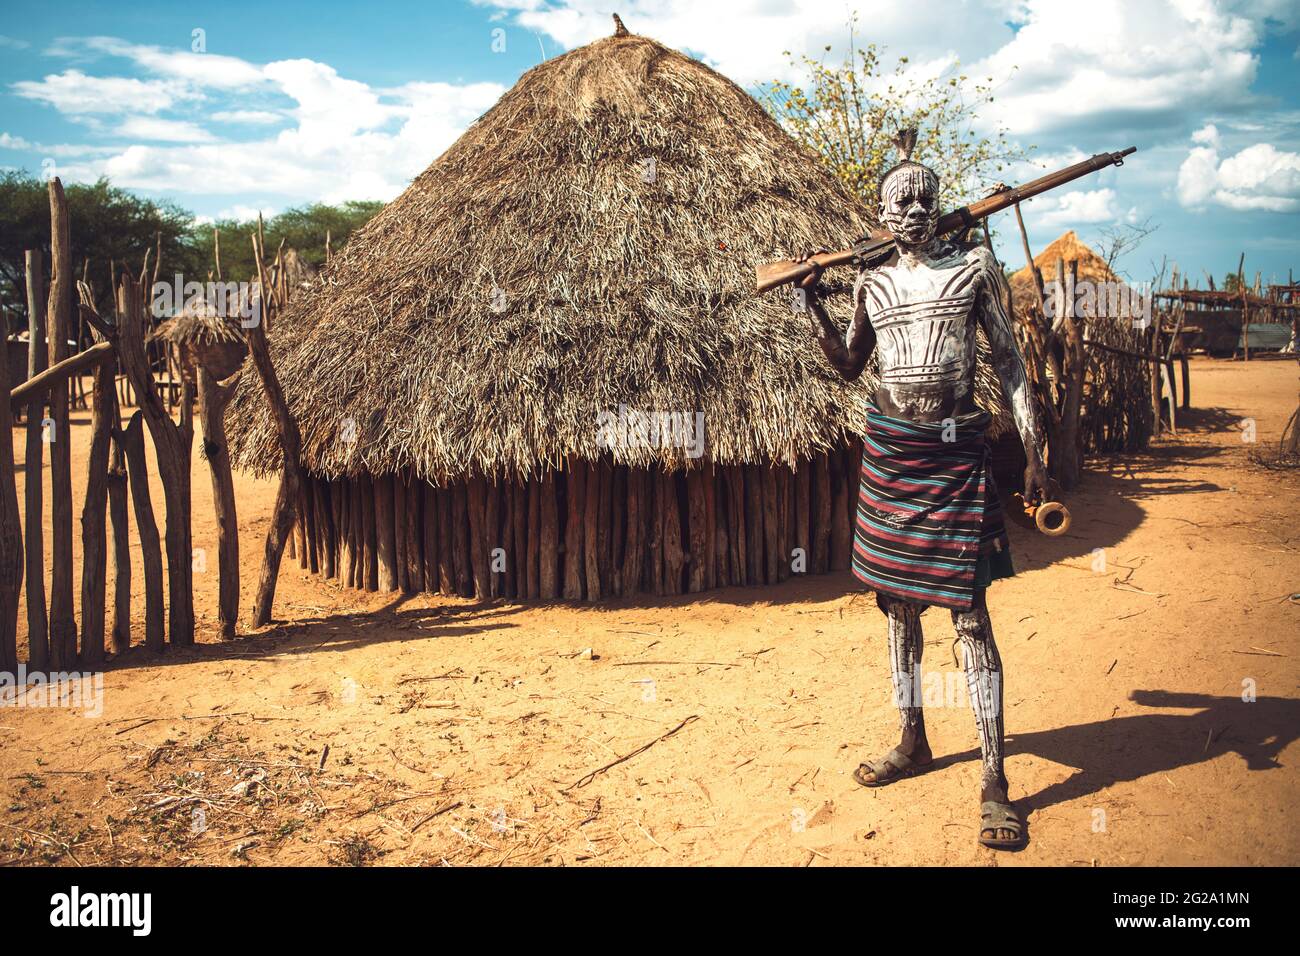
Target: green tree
[
  {"x": 108, "y": 224},
  {"x": 303, "y": 228},
  {"x": 849, "y": 114}
]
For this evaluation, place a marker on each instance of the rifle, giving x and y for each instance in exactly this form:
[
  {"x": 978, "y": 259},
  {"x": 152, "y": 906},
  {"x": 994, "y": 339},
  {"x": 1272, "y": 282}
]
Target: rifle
[{"x": 873, "y": 250}]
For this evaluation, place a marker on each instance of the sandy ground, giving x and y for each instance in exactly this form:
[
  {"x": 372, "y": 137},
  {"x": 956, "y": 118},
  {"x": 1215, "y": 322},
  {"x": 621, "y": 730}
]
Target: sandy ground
[{"x": 464, "y": 733}]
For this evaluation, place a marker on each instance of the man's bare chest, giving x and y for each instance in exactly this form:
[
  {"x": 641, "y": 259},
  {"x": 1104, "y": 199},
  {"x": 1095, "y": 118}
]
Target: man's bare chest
[{"x": 924, "y": 318}]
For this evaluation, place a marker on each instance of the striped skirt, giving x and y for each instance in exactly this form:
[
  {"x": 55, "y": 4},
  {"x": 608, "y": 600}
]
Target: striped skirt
[{"x": 929, "y": 525}]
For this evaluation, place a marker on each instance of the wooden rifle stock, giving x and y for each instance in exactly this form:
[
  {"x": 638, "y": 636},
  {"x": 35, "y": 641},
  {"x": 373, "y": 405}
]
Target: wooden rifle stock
[{"x": 873, "y": 250}]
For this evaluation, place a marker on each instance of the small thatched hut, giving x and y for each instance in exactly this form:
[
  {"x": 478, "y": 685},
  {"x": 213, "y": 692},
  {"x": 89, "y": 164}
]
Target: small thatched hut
[
  {"x": 1115, "y": 414},
  {"x": 583, "y": 254},
  {"x": 204, "y": 337}
]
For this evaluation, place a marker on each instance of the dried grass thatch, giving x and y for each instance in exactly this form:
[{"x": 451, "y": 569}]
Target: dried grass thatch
[
  {"x": 588, "y": 243},
  {"x": 203, "y": 336}
]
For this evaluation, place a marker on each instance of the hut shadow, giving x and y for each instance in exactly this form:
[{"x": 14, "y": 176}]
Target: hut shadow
[
  {"x": 338, "y": 632},
  {"x": 1124, "y": 749}
]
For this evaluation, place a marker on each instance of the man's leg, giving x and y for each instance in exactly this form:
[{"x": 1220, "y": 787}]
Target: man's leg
[
  {"x": 906, "y": 642},
  {"x": 905, "y": 645},
  {"x": 984, "y": 684}
]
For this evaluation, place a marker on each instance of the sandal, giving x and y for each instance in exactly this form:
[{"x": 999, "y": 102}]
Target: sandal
[
  {"x": 996, "y": 816},
  {"x": 894, "y": 765}
]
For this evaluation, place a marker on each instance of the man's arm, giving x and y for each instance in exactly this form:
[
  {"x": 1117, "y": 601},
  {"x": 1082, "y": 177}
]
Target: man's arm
[
  {"x": 847, "y": 354},
  {"x": 1010, "y": 369}
]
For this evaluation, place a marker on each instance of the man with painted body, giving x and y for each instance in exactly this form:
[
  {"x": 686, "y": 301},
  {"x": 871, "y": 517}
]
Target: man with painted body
[{"x": 929, "y": 525}]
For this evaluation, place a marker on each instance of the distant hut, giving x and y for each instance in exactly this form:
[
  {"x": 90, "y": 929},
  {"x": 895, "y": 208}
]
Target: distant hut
[
  {"x": 583, "y": 253},
  {"x": 1116, "y": 413}
]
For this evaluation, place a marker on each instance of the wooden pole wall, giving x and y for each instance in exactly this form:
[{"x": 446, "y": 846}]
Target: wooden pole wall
[{"x": 589, "y": 532}]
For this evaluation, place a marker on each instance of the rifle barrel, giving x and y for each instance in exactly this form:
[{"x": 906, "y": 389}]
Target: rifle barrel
[{"x": 772, "y": 274}]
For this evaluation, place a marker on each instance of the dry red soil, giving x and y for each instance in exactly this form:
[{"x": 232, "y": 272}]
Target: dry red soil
[{"x": 463, "y": 733}]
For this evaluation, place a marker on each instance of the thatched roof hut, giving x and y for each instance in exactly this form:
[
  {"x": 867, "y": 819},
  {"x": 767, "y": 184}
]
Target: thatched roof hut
[
  {"x": 203, "y": 336},
  {"x": 1067, "y": 247},
  {"x": 1116, "y": 408},
  {"x": 588, "y": 245}
]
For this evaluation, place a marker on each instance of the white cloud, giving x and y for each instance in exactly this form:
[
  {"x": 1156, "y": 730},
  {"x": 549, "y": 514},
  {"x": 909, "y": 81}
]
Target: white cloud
[
  {"x": 1258, "y": 177},
  {"x": 1079, "y": 206},
  {"x": 344, "y": 139},
  {"x": 247, "y": 117},
  {"x": 746, "y": 39},
  {"x": 211, "y": 70},
  {"x": 164, "y": 130},
  {"x": 75, "y": 93},
  {"x": 12, "y": 43}
]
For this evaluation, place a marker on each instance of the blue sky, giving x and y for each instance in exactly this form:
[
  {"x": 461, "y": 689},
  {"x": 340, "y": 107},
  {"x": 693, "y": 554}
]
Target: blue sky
[{"x": 290, "y": 102}]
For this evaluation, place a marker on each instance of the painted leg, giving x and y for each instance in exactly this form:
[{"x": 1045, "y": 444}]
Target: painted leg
[
  {"x": 984, "y": 683},
  {"x": 906, "y": 643},
  {"x": 912, "y": 755}
]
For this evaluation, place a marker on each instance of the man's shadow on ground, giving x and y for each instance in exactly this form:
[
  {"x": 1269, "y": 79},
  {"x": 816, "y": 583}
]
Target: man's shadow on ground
[{"x": 1121, "y": 749}]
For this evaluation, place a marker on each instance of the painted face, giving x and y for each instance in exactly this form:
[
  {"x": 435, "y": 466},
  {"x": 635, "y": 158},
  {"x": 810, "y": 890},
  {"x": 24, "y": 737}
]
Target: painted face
[{"x": 909, "y": 204}]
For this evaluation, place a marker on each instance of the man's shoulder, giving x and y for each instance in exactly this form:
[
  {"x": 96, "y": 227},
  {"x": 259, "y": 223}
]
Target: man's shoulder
[{"x": 978, "y": 254}]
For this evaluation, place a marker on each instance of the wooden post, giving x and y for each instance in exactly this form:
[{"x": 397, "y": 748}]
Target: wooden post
[
  {"x": 476, "y": 508},
  {"x": 306, "y": 509},
  {"x": 820, "y": 558},
  {"x": 710, "y": 483},
  {"x": 737, "y": 524},
  {"x": 533, "y": 559},
  {"x": 341, "y": 499},
  {"x": 591, "y": 530},
  {"x": 697, "y": 530},
  {"x": 63, "y": 626},
  {"x": 37, "y": 360},
  {"x": 117, "y": 512},
  {"x": 771, "y": 544},
  {"x": 147, "y": 529},
  {"x": 299, "y": 537},
  {"x": 336, "y": 498},
  {"x": 655, "y": 523},
  {"x": 1068, "y": 451},
  {"x": 754, "y": 524},
  {"x": 172, "y": 449},
  {"x": 367, "y": 492},
  {"x": 446, "y": 544},
  {"x": 492, "y": 542},
  {"x": 460, "y": 539},
  {"x": 290, "y": 451},
  {"x": 722, "y": 533},
  {"x": 618, "y": 527},
  {"x": 674, "y": 555},
  {"x": 324, "y": 526},
  {"x": 11, "y": 538},
  {"x": 94, "y": 539},
  {"x": 841, "y": 531},
  {"x": 400, "y": 537},
  {"x": 784, "y": 480},
  {"x": 213, "y": 399},
  {"x": 384, "y": 532},
  {"x": 803, "y": 510},
  {"x": 429, "y": 513},
  {"x": 575, "y": 494},
  {"x": 604, "y": 537},
  {"x": 414, "y": 534},
  {"x": 509, "y": 579},
  {"x": 634, "y": 545},
  {"x": 548, "y": 549}
]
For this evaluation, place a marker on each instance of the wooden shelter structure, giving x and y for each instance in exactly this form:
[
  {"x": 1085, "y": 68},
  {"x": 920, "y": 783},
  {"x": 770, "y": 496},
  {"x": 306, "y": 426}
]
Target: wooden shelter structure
[
  {"x": 1114, "y": 406},
  {"x": 582, "y": 255}
]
